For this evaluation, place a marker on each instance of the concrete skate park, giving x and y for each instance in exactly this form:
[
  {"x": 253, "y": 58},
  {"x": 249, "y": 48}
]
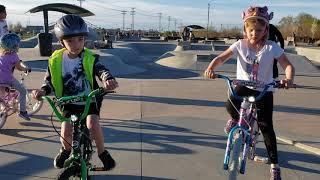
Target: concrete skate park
[{"x": 166, "y": 121}]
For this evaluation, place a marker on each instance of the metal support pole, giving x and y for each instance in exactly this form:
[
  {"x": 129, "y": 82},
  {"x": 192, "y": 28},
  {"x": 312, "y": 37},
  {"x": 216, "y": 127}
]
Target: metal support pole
[{"x": 45, "y": 18}]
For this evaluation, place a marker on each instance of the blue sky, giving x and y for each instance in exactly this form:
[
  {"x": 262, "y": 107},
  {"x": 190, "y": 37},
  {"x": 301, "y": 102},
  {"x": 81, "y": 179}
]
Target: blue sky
[{"x": 181, "y": 12}]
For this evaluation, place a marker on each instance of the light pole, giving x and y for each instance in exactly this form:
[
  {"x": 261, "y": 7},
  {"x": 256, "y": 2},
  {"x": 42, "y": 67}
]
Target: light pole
[
  {"x": 80, "y": 2},
  {"x": 208, "y": 18}
]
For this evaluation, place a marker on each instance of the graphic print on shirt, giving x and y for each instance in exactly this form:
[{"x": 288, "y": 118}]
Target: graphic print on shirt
[
  {"x": 252, "y": 65},
  {"x": 74, "y": 79}
]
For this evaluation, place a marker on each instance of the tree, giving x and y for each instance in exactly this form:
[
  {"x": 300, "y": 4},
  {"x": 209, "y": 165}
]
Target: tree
[
  {"x": 16, "y": 27},
  {"x": 314, "y": 28},
  {"x": 287, "y": 26},
  {"x": 304, "y": 25}
]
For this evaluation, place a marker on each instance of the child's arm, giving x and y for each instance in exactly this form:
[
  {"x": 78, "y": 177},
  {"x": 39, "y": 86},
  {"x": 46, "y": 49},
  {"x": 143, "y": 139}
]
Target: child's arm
[
  {"x": 21, "y": 66},
  {"x": 104, "y": 75},
  {"x": 219, "y": 60},
  {"x": 289, "y": 70},
  {"x": 46, "y": 88}
]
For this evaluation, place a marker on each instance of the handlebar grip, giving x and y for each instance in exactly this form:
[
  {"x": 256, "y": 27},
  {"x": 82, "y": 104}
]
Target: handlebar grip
[
  {"x": 107, "y": 92},
  {"x": 26, "y": 72}
]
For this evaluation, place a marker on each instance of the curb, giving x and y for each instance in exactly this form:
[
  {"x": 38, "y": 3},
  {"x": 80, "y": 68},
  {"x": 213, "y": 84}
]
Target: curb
[{"x": 300, "y": 145}]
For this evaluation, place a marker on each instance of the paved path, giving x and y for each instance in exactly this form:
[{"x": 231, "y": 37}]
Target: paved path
[{"x": 167, "y": 123}]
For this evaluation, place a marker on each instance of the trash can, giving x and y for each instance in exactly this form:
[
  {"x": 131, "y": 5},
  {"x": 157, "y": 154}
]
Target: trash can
[{"x": 45, "y": 44}]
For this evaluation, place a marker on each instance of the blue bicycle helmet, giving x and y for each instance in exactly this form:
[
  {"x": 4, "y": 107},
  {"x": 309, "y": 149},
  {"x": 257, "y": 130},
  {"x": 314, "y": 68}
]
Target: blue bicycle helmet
[
  {"x": 69, "y": 26},
  {"x": 10, "y": 42}
]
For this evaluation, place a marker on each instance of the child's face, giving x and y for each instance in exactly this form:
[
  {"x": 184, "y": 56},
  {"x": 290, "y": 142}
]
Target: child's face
[
  {"x": 74, "y": 45},
  {"x": 3, "y": 15},
  {"x": 255, "y": 32}
]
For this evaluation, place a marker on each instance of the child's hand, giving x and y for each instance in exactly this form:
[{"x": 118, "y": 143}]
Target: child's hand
[
  {"x": 37, "y": 94},
  {"x": 209, "y": 74},
  {"x": 110, "y": 84},
  {"x": 288, "y": 83}
]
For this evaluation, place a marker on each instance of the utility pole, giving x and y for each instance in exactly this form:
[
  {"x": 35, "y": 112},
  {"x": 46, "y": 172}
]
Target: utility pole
[
  {"x": 80, "y": 2},
  {"x": 160, "y": 16},
  {"x": 175, "y": 24},
  {"x": 169, "y": 19},
  {"x": 123, "y": 14},
  {"x": 132, "y": 13},
  {"x": 208, "y": 19}
]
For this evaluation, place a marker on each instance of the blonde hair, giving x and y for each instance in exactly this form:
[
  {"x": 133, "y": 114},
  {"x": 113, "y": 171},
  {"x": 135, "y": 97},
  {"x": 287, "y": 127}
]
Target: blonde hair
[
  {"x": 253, "y": 22},
  {"x": 6, "y": 51}
]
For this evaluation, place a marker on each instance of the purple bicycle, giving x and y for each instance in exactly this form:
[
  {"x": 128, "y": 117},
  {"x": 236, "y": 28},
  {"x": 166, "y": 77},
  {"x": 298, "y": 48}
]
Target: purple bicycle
[
  {"x": 242, "y": 138},
  {"x": 9, "y": 101}
]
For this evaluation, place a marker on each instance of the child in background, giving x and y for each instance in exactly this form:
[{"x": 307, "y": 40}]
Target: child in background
[
  {"x": 72, "y": 71},
  {"x": 9, "y": 60},
  {"x": 3, "y": 24},
  {"x": 255, "y": 55}
]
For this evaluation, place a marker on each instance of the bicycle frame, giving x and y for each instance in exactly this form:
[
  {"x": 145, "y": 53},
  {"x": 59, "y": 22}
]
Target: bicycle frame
[
  {"x": 245, "y": 128},
  {"x": 9, "y": 101},
  {"x": 80, "y": 132}
]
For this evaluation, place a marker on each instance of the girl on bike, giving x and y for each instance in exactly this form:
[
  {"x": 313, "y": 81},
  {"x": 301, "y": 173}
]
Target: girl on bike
[
  {"x": 9, "y": 60},
  {"x": 255, "y": 55},
  {"x": 72, "y": 70}
]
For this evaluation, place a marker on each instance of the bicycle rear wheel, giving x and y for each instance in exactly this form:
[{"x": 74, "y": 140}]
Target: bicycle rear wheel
[
  {"x": 236, "y": 156},
  {"x": 33, "y": 105}
]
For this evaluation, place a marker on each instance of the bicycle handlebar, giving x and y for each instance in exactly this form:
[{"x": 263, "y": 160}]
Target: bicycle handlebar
[
  {"x": 275, "y": 84},
  {"x": 72, "y": 99}
]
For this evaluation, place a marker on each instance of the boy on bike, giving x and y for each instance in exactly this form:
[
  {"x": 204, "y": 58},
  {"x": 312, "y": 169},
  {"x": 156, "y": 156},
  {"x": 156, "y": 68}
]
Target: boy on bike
[
  {"x": 255, "y": 55},
  {"x": 71, "y": 71},
  {"x": 9, "y": 60}
]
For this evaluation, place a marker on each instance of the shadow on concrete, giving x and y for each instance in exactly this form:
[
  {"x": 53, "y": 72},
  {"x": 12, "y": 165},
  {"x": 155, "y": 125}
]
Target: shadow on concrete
[
  {"x": 127, "y": 177},
  {"x": 165, "y": 143},
  {"x": 168, "y": 143},
  {"x": 197, "y": 102},
  {"x": 29, "y": 164},
  {"x": 297, "y": 110},
  {"x": 286, "y": 158}
]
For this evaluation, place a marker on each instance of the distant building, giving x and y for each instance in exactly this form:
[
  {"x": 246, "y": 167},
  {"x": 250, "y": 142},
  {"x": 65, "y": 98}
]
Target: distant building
[{"x": 34, "y": 29}]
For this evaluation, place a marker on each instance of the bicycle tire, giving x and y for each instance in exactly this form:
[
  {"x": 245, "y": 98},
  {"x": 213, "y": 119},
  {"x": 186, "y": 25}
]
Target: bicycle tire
[
  {"x": 71, "y": 172},
  {"x": 3, "y": 115},
  {"x": 33, "y": 105},
  {"x": 235, "y": 158}
]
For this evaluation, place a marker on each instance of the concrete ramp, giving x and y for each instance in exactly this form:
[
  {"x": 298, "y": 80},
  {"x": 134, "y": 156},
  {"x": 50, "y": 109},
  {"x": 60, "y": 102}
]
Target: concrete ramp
[
  {"x": 177, "y": 59},
  {"x": 117, "y": 66}
]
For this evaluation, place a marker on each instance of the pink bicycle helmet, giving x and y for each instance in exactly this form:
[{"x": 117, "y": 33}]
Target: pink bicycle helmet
[{"x": 257, "y": 12}]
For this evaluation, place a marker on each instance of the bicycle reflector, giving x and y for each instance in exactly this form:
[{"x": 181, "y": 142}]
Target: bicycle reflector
[
  {"x": 251, "y": 99},
  {"x": 73, "y": 118}
]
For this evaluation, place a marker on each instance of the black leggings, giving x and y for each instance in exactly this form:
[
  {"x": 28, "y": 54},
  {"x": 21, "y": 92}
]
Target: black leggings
[{"x": 265, "y": 109}]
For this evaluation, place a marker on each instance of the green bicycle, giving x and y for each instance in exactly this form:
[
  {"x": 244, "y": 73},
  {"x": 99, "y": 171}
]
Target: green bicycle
[{"x": 78, "y": 165}]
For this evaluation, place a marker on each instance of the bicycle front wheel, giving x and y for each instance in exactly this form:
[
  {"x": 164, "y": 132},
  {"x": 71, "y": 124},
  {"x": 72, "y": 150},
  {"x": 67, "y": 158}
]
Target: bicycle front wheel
[
  {"x": 3, "y": 115},
  {"x": 235, "y": 158},
  {"x": 71, "y": 173},
  {"x": 33, "y": 105}
]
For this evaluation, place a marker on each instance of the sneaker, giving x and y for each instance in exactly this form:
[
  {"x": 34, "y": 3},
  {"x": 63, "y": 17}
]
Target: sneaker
[
  {"x": 61, "y": 157},
  {"x": 275, "y": 174},
  {"x": 107, "y": 160},
  {"x": 24, "y": 115},
  {"x": 230, "y": 124}
]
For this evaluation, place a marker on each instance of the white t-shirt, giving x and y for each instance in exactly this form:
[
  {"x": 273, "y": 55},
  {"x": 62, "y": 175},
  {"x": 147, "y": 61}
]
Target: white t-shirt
[
  {"x": 256, "y": 66},
  {"x": 3, "y": 28},
  {"x": 74, "y": 78}
]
